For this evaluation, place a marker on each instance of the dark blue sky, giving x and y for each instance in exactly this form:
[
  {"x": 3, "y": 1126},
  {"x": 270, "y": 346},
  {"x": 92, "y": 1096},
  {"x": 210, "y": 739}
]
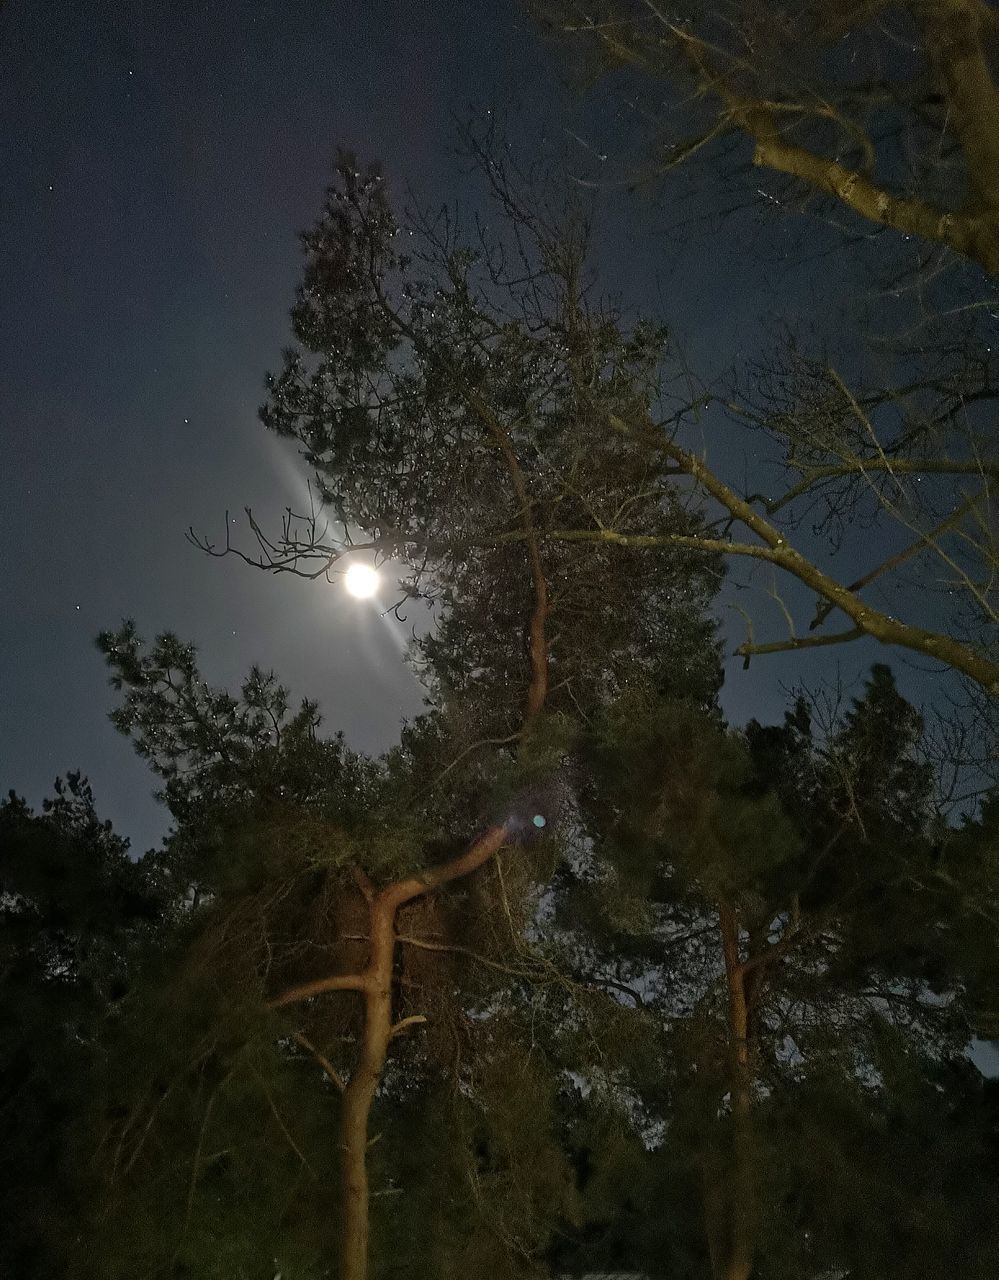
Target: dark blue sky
[{"x": 157, "y": 160}]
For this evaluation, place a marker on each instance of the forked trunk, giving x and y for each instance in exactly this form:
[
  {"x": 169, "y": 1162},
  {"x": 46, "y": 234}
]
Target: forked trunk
[{"x": 374, "y": 984}]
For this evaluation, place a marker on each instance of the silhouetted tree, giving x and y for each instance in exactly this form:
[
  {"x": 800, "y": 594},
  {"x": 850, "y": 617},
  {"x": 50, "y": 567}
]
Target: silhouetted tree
[{"x": 74, "y": 912}]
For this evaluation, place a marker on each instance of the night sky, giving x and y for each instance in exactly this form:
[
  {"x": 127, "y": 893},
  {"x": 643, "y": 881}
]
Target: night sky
[{"x": 158, "y": 160}]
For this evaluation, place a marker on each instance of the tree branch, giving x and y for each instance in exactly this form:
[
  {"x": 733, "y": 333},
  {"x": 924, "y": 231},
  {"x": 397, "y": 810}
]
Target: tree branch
[
  {"x": 318, "y": 986},
  {"x": 414, "y": 1019},
  {"x": 871, "y": 621},
  {"x": 415, "y": 886},
  {"x": 327, "y": 1066},
  {"x": 427, "y": 944},
  {"x": 537, "y": 644},
  {"x": 907, "y": 466},
  {"x": 921, "y": 543},
  {"x": 749, "y": 649}
]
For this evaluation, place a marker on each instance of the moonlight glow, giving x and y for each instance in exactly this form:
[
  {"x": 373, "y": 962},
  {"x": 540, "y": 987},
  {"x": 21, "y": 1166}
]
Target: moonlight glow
[{"x": 362, "y": 581}]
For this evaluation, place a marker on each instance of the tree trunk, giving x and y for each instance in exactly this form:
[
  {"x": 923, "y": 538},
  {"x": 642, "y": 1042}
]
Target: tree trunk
[
  {"x": 360, "y": 1092},
  {"x": 374, "y": 984},
  {"x": 742, "y": 1200},
  {"x": 715, "y": 1218}
]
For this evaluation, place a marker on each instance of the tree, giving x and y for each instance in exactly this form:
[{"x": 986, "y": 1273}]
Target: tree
[
  {"x": 74, "y": 912},
  {"x": 452, "y": 393},
  {"x": 491, "y": 361},
  {"x": 911, "y": 461},
  {"x": 443, "y": 413},
  {"x": 883, "y": 112},
  {"x": 810, "y": 951},
  {"x": 498, "y": 439},
  {"x": 867, "y": 112},
  {"x": 322, "y": 856},
  {"x": 721, "y": 896}
]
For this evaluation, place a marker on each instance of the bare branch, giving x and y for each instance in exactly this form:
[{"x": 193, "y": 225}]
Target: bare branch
[
  {"x": 428, "y": 944},
  {"x": 414, "y": 1019},
  {"x": 335, "y": 1077},
  {"x": 749, "y": 650},
  {"x": 901, "y": 466}
]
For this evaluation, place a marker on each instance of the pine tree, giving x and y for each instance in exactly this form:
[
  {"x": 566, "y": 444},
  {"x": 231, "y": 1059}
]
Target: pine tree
[
  {"x": 74, "y": 913},
  {"x": 805, "y": 970},
  {"x": 452, "y": 427}
]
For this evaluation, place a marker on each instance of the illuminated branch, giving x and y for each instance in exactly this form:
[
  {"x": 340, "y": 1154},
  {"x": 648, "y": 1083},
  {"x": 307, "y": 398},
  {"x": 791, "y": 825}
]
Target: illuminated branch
[
  {"x": 747, "y": 102},
  {"x": 750, "y": 649},
  {"x": 319, "y": 986},
  {"x": 773, "y": 548},
  {"x": 477, "y": 855},
  {"x": 777, "y": 551},
  {"x": 414, "y": 1020},
  {"x": 869, "y": 620},
  {"x": 972, "y": 235}
]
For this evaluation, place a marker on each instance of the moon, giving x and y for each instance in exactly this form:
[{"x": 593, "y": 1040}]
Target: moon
[{"x": 362, "y": 581}]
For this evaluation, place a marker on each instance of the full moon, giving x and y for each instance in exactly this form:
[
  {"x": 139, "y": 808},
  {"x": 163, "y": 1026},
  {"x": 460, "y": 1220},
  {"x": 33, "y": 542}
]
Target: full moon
[{"x": 362, "y": 581}]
